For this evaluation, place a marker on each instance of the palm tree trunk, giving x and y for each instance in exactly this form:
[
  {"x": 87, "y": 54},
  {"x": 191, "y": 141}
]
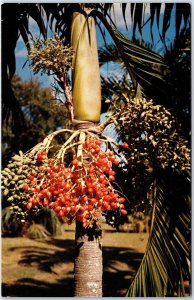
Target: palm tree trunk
[
  {"x": 87, "y": 106},
  {"x": 88, "y": 262}
]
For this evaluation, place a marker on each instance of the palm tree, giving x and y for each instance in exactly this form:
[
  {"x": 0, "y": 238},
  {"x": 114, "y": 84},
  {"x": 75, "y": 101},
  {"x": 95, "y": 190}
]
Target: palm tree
[{"x": 146, "y": 72}]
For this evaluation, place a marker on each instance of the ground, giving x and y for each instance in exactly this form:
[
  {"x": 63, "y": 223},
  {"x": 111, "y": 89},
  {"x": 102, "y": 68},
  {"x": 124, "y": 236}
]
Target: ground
[{"x": 44, "y": 268}]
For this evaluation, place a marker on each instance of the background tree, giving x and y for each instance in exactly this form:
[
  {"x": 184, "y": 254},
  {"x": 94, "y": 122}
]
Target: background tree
[{"x": 42, "y": 115}]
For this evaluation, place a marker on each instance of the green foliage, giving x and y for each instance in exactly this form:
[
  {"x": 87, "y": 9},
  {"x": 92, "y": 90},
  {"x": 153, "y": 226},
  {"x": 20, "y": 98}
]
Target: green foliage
[
  {"x": 144, "y": 66},
  {"x": 46, "y": 220},
  {"x": 114, "y": 88},
  {"x": 179, "y": 60},
  {"x": 43, "y": 114},
  {"x": 15, "y": 19},
  {"x": 165, "y": 262}
]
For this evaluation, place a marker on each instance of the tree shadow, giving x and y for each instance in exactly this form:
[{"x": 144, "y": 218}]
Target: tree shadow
[
  {"x": 119, "y": 264},
  {"x": 30, "y": 287},
  {"x": 44, "y": 260}
]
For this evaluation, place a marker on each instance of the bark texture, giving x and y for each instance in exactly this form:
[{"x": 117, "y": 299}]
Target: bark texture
[{"x": 88, "y": 263}]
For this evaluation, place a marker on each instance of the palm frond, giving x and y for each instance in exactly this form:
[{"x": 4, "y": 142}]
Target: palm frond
[
  {"x": 154, "y": 13},
  {"x": 145, "y": 67},
  {"x": 139, "y": 11},
  {"x": 179, "y": 58},
  {"x": 166, "y": 21},
  {"x": 137, "y": 17},
  {"x": 109, "y": 53},
  {"x": 114, "y": 88},
  {"x": 165, "y": 262},
  {"x": 15, "y": 21}
]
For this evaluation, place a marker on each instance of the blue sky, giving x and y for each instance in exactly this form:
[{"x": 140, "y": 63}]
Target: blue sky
[{"x": 21, "y": 53}]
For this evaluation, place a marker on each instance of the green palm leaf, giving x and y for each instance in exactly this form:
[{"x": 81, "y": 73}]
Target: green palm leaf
[
  {"x": 165, "y": 262},
  {"x": 139, "y": 11},
  {"x": 145, "y": 67},
  {"x": 15, "y": 20},
  {"x": 109, "y": 53}
]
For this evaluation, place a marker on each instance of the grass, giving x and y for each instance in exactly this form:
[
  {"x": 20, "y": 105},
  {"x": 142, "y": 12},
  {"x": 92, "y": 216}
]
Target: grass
[{"x": 44, "y": 268}]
